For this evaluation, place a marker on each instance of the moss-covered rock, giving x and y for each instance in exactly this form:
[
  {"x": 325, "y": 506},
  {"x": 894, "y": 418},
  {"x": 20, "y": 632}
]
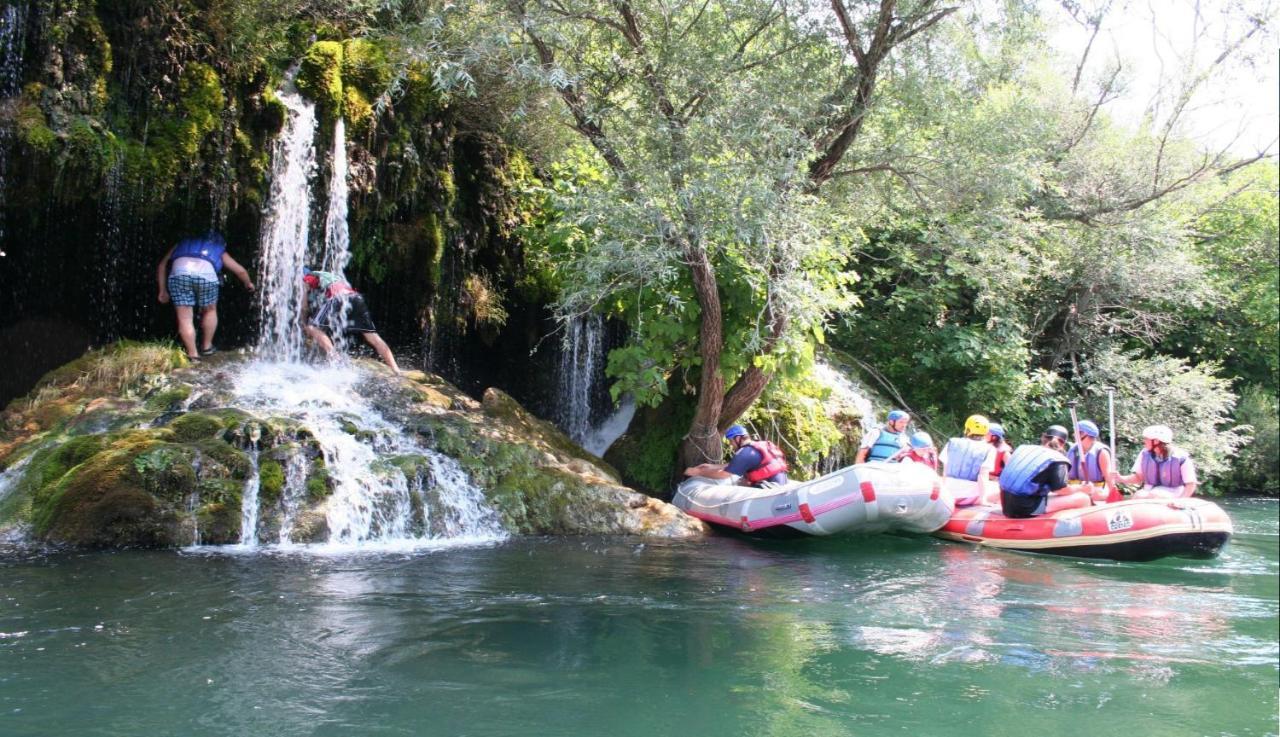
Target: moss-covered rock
[
  {"x": 320, "y": 77},
  {"x": 195, "y": 426}
]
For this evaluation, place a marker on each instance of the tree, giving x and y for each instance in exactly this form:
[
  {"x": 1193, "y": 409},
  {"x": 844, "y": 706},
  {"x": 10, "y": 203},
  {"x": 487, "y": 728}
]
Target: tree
[{"x": 715, "y": 158}]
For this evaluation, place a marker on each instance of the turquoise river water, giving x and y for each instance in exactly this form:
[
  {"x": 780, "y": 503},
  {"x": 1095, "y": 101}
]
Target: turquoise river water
[{"x": 725, "y": 636}]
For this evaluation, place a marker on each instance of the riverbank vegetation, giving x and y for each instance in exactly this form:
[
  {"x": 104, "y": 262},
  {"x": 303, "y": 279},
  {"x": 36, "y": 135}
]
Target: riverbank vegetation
[{"x": 741, "y": 186}]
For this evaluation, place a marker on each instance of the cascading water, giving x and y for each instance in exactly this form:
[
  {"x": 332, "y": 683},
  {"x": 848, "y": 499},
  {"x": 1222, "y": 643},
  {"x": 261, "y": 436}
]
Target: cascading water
[
  {"x": 844, "y": 392},
  {"x": 374, "y": 498},
  {"x": 286, "y": 227},
  {"x": 13, "y": 26},
  {"x": 579, "y": 366},
  {"x": 337, "y": 239},
  {"x": 387, "y": 488}
]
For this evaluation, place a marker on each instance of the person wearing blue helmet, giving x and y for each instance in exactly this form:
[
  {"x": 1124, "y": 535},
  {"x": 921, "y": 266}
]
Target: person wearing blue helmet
[
  {"x": 995, "y": 436},
  {"x": 883, "y": 443},
  {"x": 759, "y": 463},
  {"x": 1091, "y": 465},
  {"x": 921, "y": 450}
]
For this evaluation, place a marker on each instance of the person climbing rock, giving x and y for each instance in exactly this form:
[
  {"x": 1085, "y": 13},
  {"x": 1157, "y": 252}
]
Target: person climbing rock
[
  {"x": 188, "y": 276},
  {"x": 341, "y": 311}
]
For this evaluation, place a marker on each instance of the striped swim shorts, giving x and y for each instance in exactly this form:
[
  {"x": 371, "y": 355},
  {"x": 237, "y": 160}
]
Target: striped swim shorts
[{"x": 189, "y": 290}]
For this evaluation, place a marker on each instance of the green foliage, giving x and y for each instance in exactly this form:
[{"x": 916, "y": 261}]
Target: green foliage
[
  {"x": 1163, "y": 390},
  {"x": 1257, "y": 468},
  {"x": 792, "y": 413}
]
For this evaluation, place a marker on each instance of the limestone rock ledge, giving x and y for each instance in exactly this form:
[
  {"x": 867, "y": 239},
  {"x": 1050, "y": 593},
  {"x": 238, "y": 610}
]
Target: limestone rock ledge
[{"x": 129, "y": 446}]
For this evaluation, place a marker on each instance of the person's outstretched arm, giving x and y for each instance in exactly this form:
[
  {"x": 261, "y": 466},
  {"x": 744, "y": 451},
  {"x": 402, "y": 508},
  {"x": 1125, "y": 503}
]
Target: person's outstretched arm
[
  {"x": 162, "y": 268},
  {"x": 235, "y": 268}
]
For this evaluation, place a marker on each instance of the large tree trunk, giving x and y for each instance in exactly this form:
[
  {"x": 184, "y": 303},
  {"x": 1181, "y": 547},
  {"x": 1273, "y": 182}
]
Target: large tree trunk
[{"x": 702, "y": 443}]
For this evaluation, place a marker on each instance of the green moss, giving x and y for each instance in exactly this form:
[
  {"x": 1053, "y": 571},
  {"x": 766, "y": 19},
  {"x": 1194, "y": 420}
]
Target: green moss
[
  {"x": 358, "y": 112},
  {"x": 179, "y": 132},
  {"x": 320, "y": 77},
  {"x": 270, "y": 482},
  {"x": 219, "y": 523},
  {"x": 45, "y": 469},
  {"x": 317, "y": 481},
  {"x": 220, "y": 459},
  {"x": 33, "y": 129},
  {"x": 195, "y": 426},
  {"x": 273, "y": 114},
  {"x": 365, "y": 65},
  {"x": 168, "y": 398}
]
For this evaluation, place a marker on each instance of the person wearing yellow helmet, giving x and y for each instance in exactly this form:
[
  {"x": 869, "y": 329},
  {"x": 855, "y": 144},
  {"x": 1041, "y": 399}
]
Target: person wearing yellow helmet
[{"x": 967, "y": 465}]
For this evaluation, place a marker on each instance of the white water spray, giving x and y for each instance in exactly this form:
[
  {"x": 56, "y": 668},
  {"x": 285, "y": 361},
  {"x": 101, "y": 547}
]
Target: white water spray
[
  {"x": 337, "y": 238},
  {"x": 579, "y": 364},
  {"x": 373, "y": 502},
  {"x": 285, "y": 228}
]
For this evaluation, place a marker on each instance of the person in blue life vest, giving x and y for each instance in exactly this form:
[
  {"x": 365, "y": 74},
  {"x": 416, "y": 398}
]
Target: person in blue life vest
[
  {"x": 1164, "y": 470},
  {"x": 342, "y": 311},
  {"x": 1035, "y": 480},
  {"x": 758, "y": 463},
  {"x": 921, "y": 451},
  {"x": 883, "y": 443},
  {"x": 1091, "y": 465},
  {"x": 188, "y": 276},
  {"x": 967, "y": 463}
]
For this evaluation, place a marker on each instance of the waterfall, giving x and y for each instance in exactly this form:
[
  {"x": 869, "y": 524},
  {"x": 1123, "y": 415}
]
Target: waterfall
[
  {"x": 108, "y": 295},
  {"x": 844, "y": 393},
  {"x": 295, "y": 491},
  {"x": 374, "y": 500},
  {"x": 249, "y": 498},
  {"x": 580, "y": 367},
  {"x": 601, "y": 437},
  {"x": 13, "y": 26},
  {"x": 285, "y": 228},
  {"x": 337, "y": 240}
]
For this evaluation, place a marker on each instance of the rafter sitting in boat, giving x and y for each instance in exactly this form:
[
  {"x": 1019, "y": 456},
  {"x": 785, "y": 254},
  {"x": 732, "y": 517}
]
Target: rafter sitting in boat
[
  {"x": 1164, "y": 470},
  {"x": 760, "y": 463}
]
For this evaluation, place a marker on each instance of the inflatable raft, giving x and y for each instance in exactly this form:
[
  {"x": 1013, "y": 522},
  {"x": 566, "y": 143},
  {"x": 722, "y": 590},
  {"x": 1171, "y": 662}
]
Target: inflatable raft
[
  {"x": 1137, "y": 530},
  {"x": 871, "y": 497}
]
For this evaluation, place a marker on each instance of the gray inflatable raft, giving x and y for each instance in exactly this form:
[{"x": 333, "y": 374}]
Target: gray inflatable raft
[{"x": 870, "y": 497}]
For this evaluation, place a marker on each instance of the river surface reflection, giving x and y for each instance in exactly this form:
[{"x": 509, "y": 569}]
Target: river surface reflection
[{"x": 725, "y": 636}]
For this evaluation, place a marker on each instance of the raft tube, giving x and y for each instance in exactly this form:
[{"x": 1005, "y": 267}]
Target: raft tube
[
  {"x": 1134, "y": 530},
  {"x": 869, "y": 497}
]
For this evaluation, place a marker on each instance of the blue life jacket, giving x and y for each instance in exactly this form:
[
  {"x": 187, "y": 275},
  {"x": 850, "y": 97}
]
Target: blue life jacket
[
  {"x": 1026, "y": 462},
  {"x": 887, "y": 445},
  {"x": 1163, "y": 473},
  {"x": 965, "y": 457},
  {"x": 209, "y": 247},
  {"x": 1090, "y": 470}
]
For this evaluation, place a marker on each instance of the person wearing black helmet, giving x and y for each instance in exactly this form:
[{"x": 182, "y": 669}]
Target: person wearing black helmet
[
  {"x": 1035, "y": 480},
  {"x": 758, "y": 462}
]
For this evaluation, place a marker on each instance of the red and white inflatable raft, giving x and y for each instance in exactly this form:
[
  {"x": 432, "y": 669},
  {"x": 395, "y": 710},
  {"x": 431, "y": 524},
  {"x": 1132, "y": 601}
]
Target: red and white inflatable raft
[{"x": 1139, "y": 529}]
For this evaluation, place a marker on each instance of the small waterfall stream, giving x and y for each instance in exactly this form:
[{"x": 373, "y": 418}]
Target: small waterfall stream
[
  {"x": 337, "y": 238},
  {"x": 13, "y": 27},
  {"x": 580, "y": 366},
  {"x": 285, "y": 228}
]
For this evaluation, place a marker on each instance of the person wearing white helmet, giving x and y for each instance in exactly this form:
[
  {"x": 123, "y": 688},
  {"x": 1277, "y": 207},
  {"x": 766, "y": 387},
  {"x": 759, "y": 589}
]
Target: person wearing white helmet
[
  {"x": 1164, "y": 470},
  {"x": 968, "y": 463},
  {"x": 883, "y": 443}
]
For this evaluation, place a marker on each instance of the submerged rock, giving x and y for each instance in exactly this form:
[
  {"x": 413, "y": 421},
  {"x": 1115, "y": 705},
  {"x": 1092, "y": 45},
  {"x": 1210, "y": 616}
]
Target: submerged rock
[{"x": 130, "y": 446}]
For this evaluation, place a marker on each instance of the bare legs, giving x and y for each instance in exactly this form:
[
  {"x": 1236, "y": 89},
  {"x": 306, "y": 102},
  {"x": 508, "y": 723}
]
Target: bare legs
[
  {"x": 384, "y": 352},
  {"x": 208, "y": 326},
  {"x": 380, "y": 346},
  {"x": 186, "y": 329}
]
